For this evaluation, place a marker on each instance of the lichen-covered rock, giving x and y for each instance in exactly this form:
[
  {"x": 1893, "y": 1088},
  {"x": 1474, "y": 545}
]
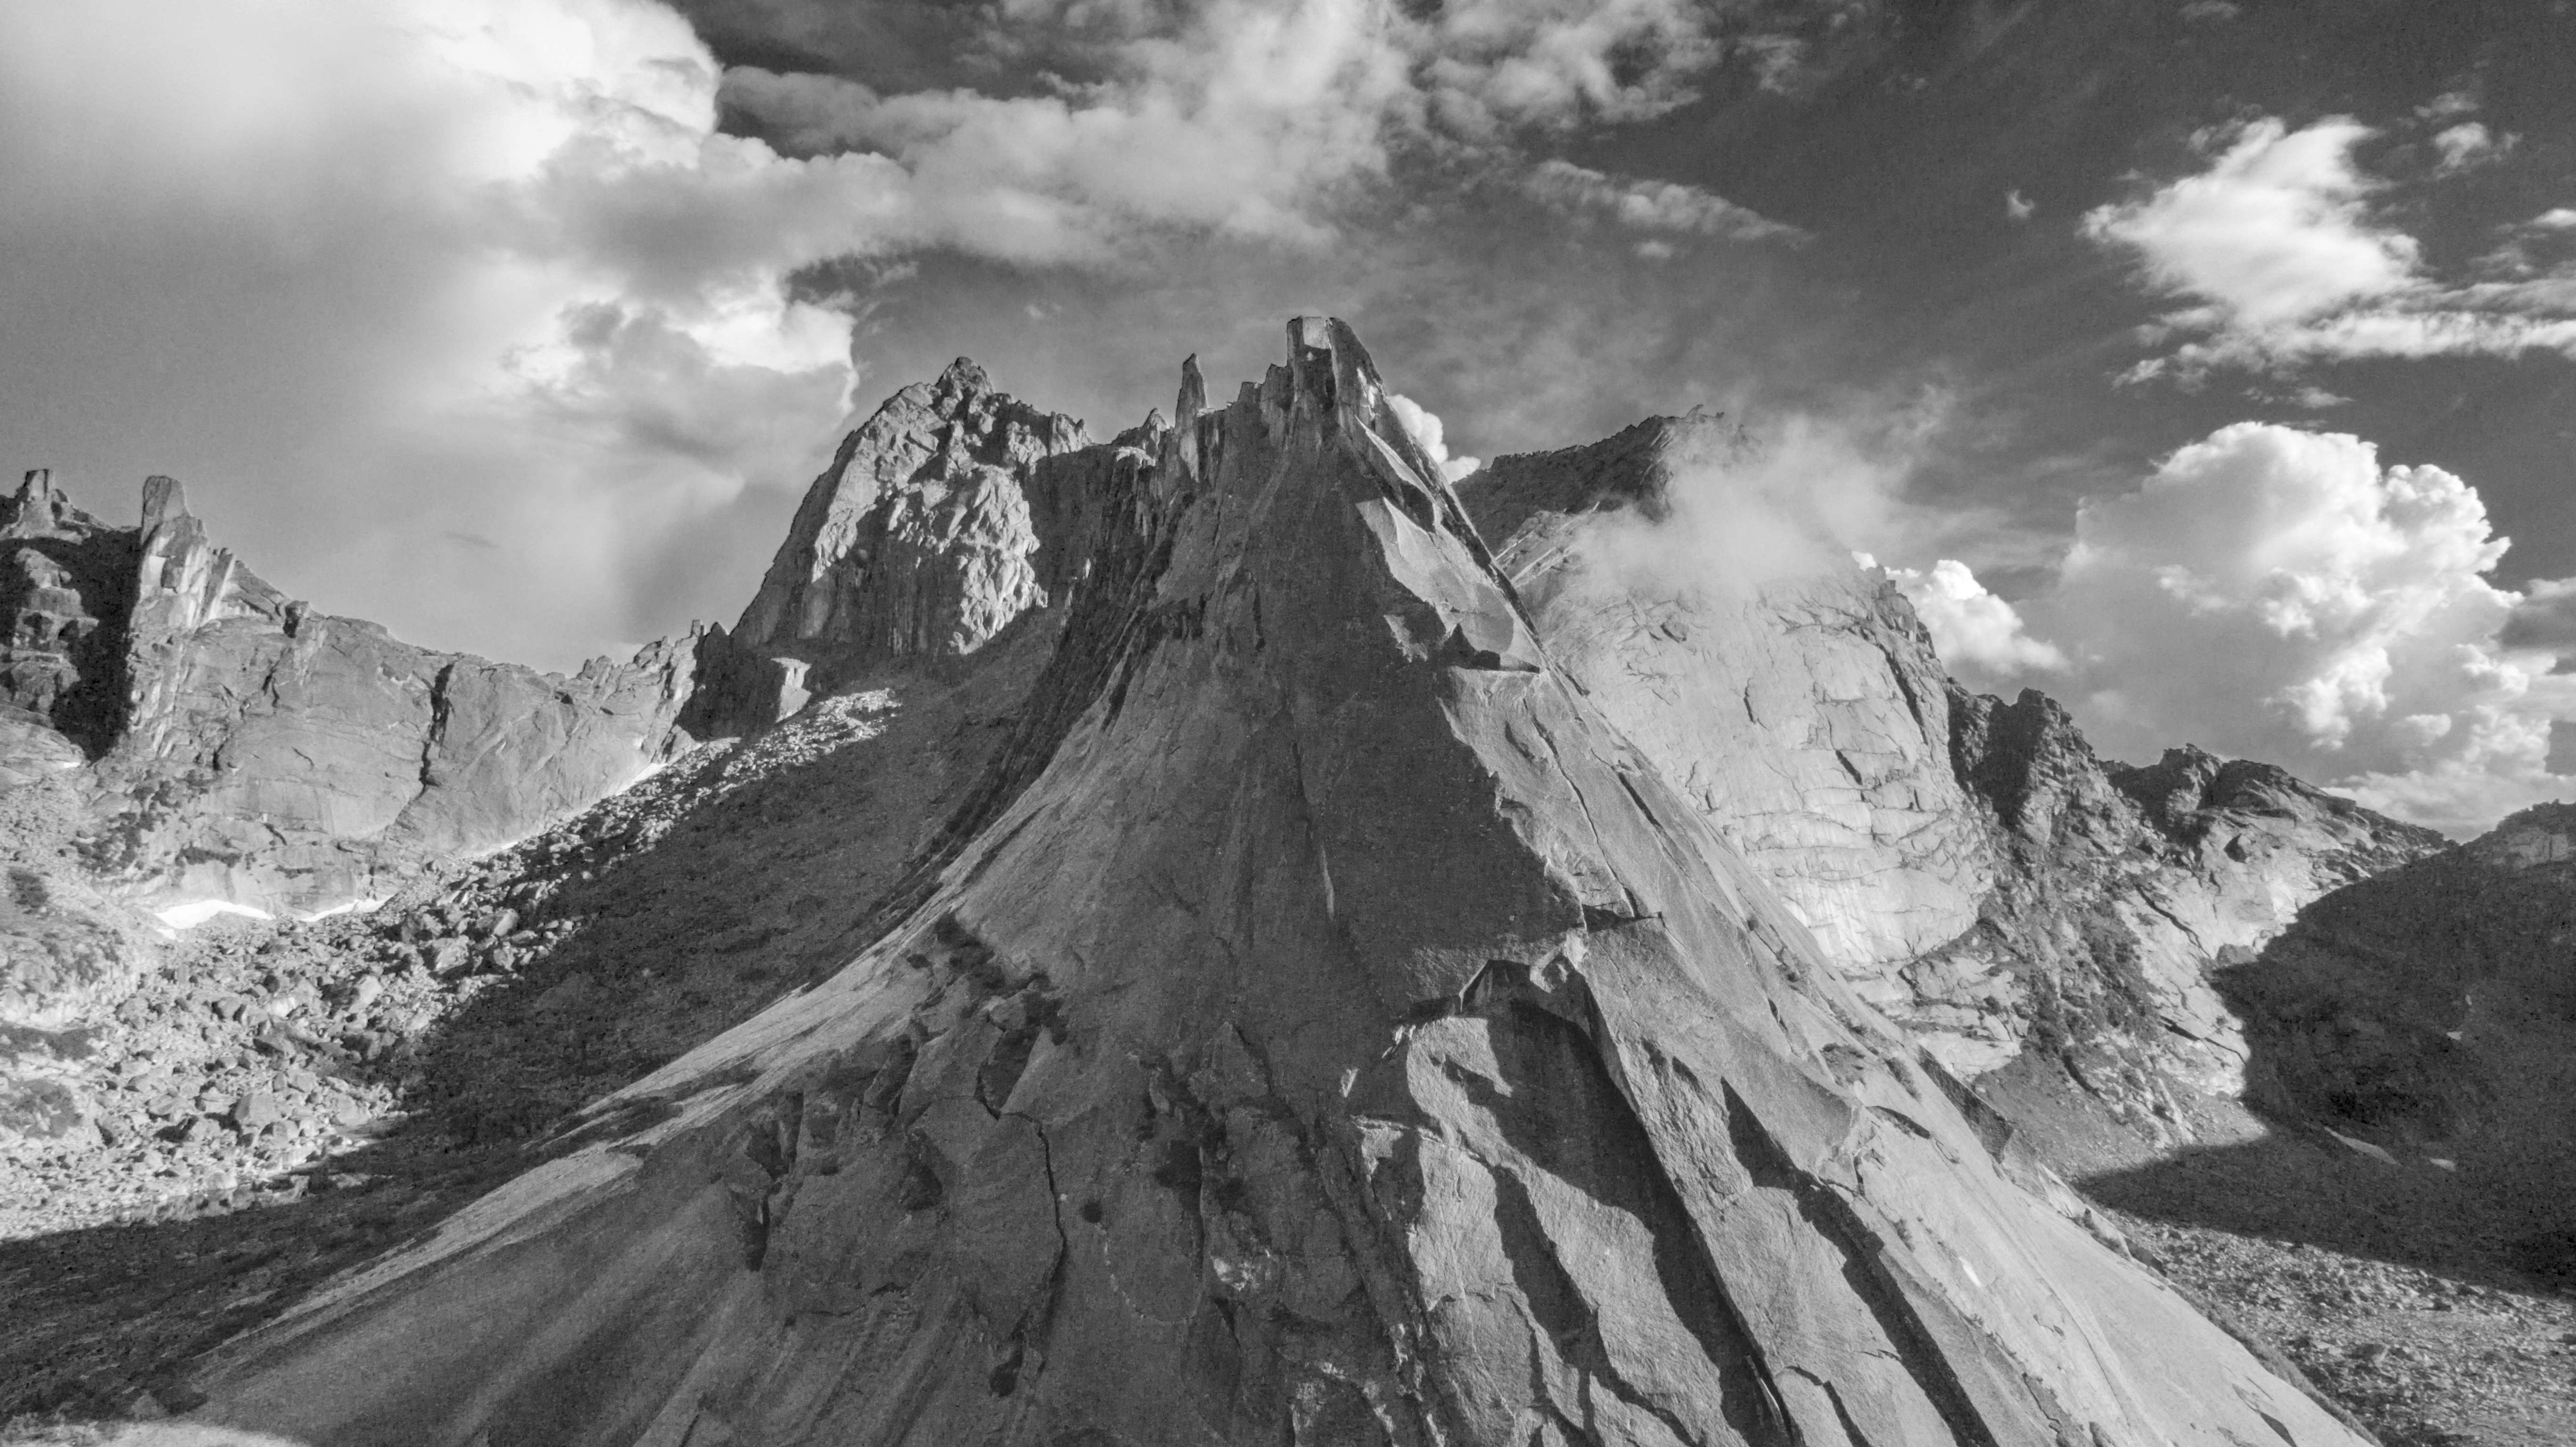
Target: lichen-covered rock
[{"x": 1319, "y": 1025}]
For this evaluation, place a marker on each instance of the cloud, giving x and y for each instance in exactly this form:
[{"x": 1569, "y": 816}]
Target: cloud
[
  {"x": 1802, "y": 496},
  {"x": 2277, "y": 594},
  {"x": 423, "y": 267},
  {"x": 1249, "y": 119},
  {"x": 2273, "y": 233},
  {"x": 1426, "y": 429},
  {"x": 2018, "y": 207},
  {"x": 2468, "y": 145},
  {"x": 368, "y": 274},
  {"x": 1488, "y": 66},
  {"x": 1975, "y": 632},
  {"x": 2284, "y": 261},
  {"x": 1665, "y": 207},
  {"x": 2545, "y": 621}
]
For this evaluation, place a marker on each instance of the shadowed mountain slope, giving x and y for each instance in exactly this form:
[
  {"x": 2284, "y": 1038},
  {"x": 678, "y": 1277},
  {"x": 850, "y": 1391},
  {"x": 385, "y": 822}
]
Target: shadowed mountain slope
[{"x": 1318, "y": 1024}]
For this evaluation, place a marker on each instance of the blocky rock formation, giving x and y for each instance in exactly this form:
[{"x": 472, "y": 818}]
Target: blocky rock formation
[{"x": 1319, "y": 1025}]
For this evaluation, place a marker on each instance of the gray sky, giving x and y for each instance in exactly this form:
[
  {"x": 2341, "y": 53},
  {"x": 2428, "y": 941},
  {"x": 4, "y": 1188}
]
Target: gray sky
[{"x": 2218, "y": 347}]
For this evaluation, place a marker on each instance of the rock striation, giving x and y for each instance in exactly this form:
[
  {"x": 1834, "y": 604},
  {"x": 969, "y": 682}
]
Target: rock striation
[
  {"x": 1969, "y": 865},
  {"x": 1318, "y": 1024}
]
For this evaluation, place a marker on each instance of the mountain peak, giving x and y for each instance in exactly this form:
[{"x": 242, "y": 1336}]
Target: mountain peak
[{"x": 963, "y": 378}]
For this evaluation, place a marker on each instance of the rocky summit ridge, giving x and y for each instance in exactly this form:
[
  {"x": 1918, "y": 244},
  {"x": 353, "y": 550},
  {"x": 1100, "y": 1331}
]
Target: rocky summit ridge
[{"x": 1214, "y": 934}]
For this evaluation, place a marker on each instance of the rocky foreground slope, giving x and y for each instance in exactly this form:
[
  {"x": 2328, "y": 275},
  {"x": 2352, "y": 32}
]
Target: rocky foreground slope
[{"x": 1316, "y": 1022}]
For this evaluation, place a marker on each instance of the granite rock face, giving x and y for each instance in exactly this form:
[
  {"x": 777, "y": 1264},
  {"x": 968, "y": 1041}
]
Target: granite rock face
[
  {"x": 1969, "y": 866},
  {"x": 1806, "y": 717},
  {"x": 1319, "y": 1025},
  {"x": 230, "y": 744},
  {"x": 919, "y": 540}
]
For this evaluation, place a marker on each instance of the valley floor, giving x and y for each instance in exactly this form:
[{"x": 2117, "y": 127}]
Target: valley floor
[{"x": 2422, "y": 1358}]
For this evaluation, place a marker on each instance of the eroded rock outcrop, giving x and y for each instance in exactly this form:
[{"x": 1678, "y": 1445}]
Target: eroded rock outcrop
[
  {"x": 66, "y": 576},
  {"x": 919, "y": 541},
  {"x": 1319, "y": 1025}
]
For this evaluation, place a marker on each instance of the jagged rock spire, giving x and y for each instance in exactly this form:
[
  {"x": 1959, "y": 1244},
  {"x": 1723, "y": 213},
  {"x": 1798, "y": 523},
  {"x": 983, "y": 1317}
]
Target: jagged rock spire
[{"x": 917, "y": 541}]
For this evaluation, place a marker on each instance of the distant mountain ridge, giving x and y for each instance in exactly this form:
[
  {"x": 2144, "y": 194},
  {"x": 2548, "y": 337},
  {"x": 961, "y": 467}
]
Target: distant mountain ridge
[{"x": 220, "y": 742}]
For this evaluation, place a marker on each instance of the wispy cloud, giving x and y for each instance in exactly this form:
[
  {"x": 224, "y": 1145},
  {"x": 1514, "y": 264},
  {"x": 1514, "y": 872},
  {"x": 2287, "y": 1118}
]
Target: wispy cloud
[
  {"x": 2284, "y": 261},
  {"x": 1662, "y": 207}
]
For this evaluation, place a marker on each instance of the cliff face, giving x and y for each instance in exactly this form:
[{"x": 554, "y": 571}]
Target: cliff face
[
  {"x": 228, "y": 744},
  {"x": 918, "y": 541},
  {"x": 61, "y": 663},
  {"x": 1969, "y": 866},
  {"x": 1318, "y": 1024},
  {"x": 1805, "y": 717}
]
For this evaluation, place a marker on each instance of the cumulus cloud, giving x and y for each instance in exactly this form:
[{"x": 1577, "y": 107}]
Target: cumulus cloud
[
  {"x": 2284, "y": 261},
  {"x": 1426, "y": 429},
  {"x": 2278, "y": 594},
  {"x": 1975, "y": 632},
  {"x": 490, "y": 268},
  {"x": 2544, "y": 621},
  {"x": 1665, "y": 207}
]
